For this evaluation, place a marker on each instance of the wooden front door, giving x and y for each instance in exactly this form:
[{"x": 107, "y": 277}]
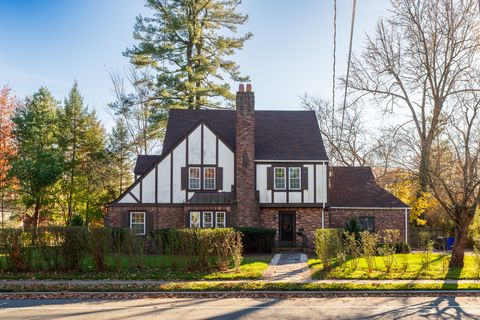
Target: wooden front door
[{"x": 287, "y": 228}]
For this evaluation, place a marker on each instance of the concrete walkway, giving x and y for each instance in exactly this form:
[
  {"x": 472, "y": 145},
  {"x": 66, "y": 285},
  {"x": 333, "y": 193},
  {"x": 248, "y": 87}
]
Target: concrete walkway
[{"x": 288, "y": 267}]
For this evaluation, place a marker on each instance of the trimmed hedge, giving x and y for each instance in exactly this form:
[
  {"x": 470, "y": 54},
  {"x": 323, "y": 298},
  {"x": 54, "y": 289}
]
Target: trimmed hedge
[{"x": 257, "y": 240}]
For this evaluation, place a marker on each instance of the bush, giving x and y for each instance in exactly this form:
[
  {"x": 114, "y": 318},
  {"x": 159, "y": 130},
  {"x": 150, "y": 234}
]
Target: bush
[
  {"x": 257, "y": 240},
  {"x": 351, "y": 246},
  {"x": 369, "y": 245},
  {"x": 328, "y": 245},
  {"x": 353, "y": 227},
  {"x": 390, "y": 238},
  {"x": 402, "y": 247}
]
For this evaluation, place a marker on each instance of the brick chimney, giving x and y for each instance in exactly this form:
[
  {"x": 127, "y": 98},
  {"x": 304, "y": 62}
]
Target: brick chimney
[{"x": 247, "y": 211}]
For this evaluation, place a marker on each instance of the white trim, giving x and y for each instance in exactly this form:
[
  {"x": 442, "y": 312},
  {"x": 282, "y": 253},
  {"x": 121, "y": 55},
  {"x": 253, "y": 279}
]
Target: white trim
[
  {"x": 284, "y": 178},
  {"x": 212, "y": 221},
  {"x": 406, "y": 225},
  {"x": 294, "y": 161},
  {"x": 199, "y": 178},
  {"x": 144, "y": 221},
  {"x": 214, "y": 178},
  {"x": 199, "y": 219},
  {"x": 371, "y": 208},
  {"x": 224, "y": 218},
  {"x": 299, "y": 179}
]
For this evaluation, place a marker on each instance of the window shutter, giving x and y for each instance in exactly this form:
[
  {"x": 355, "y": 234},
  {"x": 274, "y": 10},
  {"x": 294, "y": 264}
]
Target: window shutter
[
  {"x": 148, "y": 222},
  {"x": 126, "y": 220},
  {"x": 269, "y": 178},
  {"x": 184, "y": 178},
  {"x": 219, "y": 178},
  {"x": 304, "y": 178}
]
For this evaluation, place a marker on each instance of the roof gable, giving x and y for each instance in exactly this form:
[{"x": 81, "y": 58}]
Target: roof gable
[{"x": 279, "y": 135}]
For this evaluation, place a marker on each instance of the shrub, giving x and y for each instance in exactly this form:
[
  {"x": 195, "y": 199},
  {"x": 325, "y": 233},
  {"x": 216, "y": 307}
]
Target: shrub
[
  {"x": 390, "y": 239},
  {"x": 353, "y": 227},
  {"x": 426, "y": 245},
  {"x": 97, "y": 245},
  {"x": 351, "y": 246},
  {"x": 77, "y": 221},
  {"x": 402, "y": 247},
  {"x": 257, "y": 240},
  {"x": 369, "y": 245},
  {"x": 328, "y": 245}
]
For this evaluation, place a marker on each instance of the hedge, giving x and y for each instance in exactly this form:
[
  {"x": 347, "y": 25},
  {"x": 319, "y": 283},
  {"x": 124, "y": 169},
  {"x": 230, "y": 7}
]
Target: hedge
[{"x": 257, "y": 240}]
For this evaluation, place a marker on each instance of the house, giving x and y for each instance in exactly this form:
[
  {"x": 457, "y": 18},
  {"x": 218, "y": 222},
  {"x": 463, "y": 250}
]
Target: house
[{"x": 247, "y": 167}]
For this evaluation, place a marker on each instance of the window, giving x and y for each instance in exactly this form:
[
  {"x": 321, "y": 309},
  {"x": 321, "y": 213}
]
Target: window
[
  {"x": 137, "y": 222},
  {"x": 209, "y": 178},
  {"x": 208, "y": 219},
  {"x": 280, "y": 178},
  {"x": 294, "y": 178},
  {"x": 220, "y": 221},
  {"x": 367, "y": 223},
  {"x": 195, "y": 219},
  {"x": 194, "y": 178}
]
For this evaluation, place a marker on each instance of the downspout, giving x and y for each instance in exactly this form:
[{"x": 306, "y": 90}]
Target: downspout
[
  {"x": 406, "y": 225},
  {"x": 323, "y": 216}
]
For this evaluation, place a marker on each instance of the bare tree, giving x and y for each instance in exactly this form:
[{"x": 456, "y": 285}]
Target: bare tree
[
  {"x": 419, "y": 58},
  {"x": 348, "y": 145},
  {"x": 454, "y": 171},
  {"x": 145, "y": 122}
]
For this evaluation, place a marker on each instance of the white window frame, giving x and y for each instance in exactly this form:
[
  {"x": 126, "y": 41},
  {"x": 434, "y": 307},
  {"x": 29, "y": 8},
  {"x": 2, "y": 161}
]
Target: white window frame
[
  {"x": 214, "y": 178},
  {"x": 212, "y": 221},
  {"x": 199, "y": 178},
  {"x": 224, "y": 219},
  {"x": 284, "y": 178},
  {"x": 299, "y": 178},
  {"x": 137, "y": 223},
  {"x": 199, "y": 219}
]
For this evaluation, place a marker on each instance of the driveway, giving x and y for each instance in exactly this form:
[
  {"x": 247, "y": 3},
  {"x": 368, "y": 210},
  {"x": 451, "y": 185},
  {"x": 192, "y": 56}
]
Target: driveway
[{"x": 246, "y": 308}]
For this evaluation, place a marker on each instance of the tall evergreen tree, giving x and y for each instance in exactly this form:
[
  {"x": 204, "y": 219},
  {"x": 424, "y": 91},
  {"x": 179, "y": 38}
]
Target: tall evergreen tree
[
  {"x": 186, "y": 45},
  {"x": 38, "y": 163},
  {"x": 120, "y": 149}
]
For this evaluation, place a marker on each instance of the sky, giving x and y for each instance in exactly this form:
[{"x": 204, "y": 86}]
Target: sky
[{"x": 54, "y": 42}]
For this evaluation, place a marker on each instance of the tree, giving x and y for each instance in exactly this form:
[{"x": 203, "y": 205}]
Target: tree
[
  {"x": 120, "y": 152},
  {"x": 144, "y": 122},
  {"x": 7, "y": 146},
  {"x": 186, "y": 44},
  {"x": 418, "y": 59},
  {"x": 454, "y": 170},
  {"x": 38, "y": 162}
]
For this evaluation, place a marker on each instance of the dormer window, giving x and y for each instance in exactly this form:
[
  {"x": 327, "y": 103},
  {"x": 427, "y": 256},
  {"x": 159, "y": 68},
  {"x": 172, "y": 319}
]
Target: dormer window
[
  {"x": 194, "y": 178},
  {"x": 294, "y": 178},
  {"x": 280, "y": 179}
]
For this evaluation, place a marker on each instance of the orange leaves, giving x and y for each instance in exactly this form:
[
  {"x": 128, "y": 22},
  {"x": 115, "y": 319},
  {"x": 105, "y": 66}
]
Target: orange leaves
[{"x": 7, "y": 142}]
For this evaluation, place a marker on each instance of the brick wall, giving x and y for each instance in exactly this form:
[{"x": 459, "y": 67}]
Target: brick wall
[
  {"x": 247, "y": 211},
  {"x": 157, "y": 217},
  {"x": 383, "y": 218},
  {"x": 309, "y": 219}
]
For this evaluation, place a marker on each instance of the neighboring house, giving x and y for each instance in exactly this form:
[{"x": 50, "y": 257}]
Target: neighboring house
[{"x": 251, "y": 168}]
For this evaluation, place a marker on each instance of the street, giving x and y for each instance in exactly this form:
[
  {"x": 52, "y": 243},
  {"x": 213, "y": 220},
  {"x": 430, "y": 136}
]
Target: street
[{"x": 245, "y": 308}]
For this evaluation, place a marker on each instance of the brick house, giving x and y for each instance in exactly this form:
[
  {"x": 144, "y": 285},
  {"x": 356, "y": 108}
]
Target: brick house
[{"x": 245, "y": 167}]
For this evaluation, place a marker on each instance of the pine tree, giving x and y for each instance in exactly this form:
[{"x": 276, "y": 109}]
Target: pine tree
[
  {"x": 185, "y": 43},
  {"x": 38, "y": 163},
  {"x": 120, "y": 149}
]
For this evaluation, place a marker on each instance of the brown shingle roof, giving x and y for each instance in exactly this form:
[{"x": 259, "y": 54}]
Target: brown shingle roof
[
  {"x": 145, "y": 162},
  {"x": 211, "y": 198},
  {"x": 279, "y": 135},
  {"x": 356, "y": 187}
]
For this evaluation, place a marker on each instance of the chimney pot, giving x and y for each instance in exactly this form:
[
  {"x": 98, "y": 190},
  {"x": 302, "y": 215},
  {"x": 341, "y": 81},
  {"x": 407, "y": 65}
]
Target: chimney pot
[
  {"x": 241, "y": 88},
  {"x": 249, "y": 87}
]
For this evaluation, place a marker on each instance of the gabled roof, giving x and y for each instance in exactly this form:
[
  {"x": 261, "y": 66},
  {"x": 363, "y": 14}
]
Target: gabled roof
[
  {"x": 356, "y": 187},
  {"x": 213, "y": 198},
  {"x": 279, "y": 135}
]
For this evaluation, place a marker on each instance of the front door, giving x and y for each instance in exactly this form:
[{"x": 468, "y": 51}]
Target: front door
[{"x": 287, "y": 228}]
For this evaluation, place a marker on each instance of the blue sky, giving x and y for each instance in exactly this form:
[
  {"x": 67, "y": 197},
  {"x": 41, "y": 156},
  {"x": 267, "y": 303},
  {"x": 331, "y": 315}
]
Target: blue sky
[{"x": 54, "y": 42}]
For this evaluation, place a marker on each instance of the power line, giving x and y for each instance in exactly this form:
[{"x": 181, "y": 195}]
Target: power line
[{"x": 348, "y": 64}]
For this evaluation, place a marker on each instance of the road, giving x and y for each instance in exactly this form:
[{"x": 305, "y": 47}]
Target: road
[{"x": 246, "y": 308}]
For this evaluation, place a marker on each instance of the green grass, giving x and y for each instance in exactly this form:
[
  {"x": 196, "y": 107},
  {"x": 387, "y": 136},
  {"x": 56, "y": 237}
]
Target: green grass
[
  {"x": 409, "y": 266},
  {"x": 156, "y": 267}
]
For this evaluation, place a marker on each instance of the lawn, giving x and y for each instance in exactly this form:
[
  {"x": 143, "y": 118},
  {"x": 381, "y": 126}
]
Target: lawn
[
  {"x": 406, "y": 266},
  {"x": 158, "y": 267}
]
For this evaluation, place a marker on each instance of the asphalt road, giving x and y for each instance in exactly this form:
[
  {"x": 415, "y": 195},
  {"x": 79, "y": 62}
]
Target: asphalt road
[{"x": 230, "y": 308}]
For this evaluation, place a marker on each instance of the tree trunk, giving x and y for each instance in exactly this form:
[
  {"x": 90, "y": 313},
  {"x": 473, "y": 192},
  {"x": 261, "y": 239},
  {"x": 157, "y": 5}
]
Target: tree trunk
[
  {"x": 458, "y": 250},
  {"x": 423, "y": 170},
  {"x": 36, "y": 214}
]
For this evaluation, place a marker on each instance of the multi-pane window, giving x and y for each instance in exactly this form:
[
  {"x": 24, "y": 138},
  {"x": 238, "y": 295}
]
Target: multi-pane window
[
  {"x": 367, "y": 224},
  {"x": 207, "y": 219},
  {"x": 220, "y": 219},
  {"x": 194, "y": 178},
  {"x": 209, "y": 178},
  {"x": 137, "y": 222},
  {"x": 195, "y": 219},
  {"x": 294, "y": 179},
  {"x": 280, "y": 178}
]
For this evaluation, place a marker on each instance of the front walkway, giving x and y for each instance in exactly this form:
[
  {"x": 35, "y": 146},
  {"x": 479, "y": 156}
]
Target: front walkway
[{"x": 288, "y": 267}]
